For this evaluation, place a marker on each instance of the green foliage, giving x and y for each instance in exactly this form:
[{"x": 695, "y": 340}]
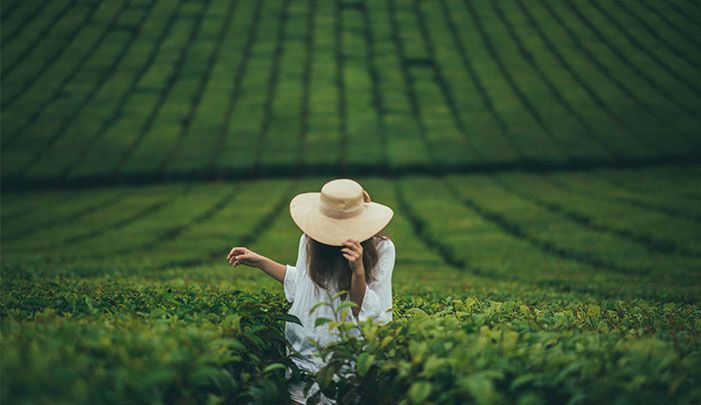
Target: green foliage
[
  {"x": 459, "y": 359},
  {"x": 98, "y": 343},
  {"x": 153, "y": 341}
]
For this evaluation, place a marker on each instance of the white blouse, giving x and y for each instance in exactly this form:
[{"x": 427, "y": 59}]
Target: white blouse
[{"x": 304, "y": 294}]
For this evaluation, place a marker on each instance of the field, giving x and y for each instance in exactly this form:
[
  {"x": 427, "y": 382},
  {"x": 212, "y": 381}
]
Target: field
[{"x": 543, "y": 160}]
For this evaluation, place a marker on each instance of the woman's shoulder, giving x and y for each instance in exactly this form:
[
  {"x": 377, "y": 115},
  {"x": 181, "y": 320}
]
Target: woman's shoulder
[
  {"x": 303, "y": 239},
  {"x": 384, "y": 244}
]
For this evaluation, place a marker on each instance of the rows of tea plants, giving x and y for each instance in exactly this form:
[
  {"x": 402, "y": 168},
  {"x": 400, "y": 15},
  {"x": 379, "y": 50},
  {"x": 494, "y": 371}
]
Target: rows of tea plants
[
  {"x": 113, "y": 339},
  {"x": 504, "y": 227},
  {"x": 523, "y": 280},
  {"x": 564, "y": 229},
  {"x": 147, "y": 88},
  {"x": 517, "y": 287},
  {"x": 578, "y": 230}
]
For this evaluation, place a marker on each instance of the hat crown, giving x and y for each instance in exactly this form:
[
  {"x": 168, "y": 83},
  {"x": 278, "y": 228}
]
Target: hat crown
[
  {"x": 342, "y": 210},
  {"x": 342, "y": 198}
]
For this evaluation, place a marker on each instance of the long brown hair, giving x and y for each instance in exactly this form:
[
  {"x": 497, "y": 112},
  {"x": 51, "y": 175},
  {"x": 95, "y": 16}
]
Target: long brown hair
[{"x": 327, "y": 266}]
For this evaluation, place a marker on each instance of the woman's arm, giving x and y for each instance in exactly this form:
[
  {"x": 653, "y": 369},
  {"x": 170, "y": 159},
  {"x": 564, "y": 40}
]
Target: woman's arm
[
  {"x": 373, "y": 301},
  {"x": 357, "y": 291},
  {"x": 353, "y": 252},
  {"x": 241, "y": 255}
]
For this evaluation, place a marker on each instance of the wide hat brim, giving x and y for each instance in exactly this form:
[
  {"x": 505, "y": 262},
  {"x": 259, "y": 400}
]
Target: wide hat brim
[{"x": 305, "y": 212}]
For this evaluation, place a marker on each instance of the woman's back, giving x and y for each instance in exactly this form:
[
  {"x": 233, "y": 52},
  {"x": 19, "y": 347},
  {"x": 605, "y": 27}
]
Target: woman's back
[{"x": 301, "y": 290}]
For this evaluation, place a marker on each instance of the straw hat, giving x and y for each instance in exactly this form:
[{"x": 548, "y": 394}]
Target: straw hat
[{"x": 342, "y": 210}]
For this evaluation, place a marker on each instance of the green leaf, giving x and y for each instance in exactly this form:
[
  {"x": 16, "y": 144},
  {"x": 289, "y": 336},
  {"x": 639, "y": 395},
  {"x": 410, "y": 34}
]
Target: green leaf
[
  {"x": 365, "y": 361},
  {"x": 231, "y": 344},
  {"x": 432, "y": 365},
  {"x": 205, "y": 375},
  {"x": 289, "y": 318},
  {"x": 274, "y": 366},
  {"x": 155, "y": 377},
  {"x": 88, "y": 303},
  {"x": 317, "y": 305},
  {"x": 420, "y": 391},
  {"x": 339, "y": 294},
  {"x": 324, "y": 377},
  {"x": 321, "y": 321},
  {"x": 521, "y": 380},
  {"x": 386, "y": 340},
  {"x": 348, "y": 304},
  {"x": 158, "y": 313},
  {"x": 593, "y": 310},
  {"x": 481, "y": 388}
]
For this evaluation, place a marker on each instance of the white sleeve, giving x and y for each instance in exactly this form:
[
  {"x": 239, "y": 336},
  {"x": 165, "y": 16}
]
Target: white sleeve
[
  {"x": 290, "y": 283},
  {"x": 377, "y": 302},
  {"x": 292, "y": 273}
]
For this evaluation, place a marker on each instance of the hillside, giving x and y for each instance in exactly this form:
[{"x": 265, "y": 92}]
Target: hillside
[{"x": 542, "y": 159}]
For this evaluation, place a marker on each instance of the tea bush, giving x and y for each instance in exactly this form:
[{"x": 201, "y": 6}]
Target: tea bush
[
  {"x": 88, "y": 341},
  {"x": 98, "y": 343},
  {"x": 458, "y": 359}
]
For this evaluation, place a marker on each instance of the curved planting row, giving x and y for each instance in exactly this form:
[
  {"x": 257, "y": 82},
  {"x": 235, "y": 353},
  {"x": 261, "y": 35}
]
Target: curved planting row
[{"x": 146, "y": 91}]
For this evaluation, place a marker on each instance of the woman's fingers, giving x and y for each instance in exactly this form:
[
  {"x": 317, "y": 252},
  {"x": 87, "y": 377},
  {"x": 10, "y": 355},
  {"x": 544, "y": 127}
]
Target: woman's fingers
[
  {"x": 352, "y": 257},
  {"x": 232, "y": 257},
  {"x": 240, "y": 259},
  {"x": 236, "y": 256},
  {"x": 359, "y": 246},
  {"x": 353, "y": 245},
  {"x": 347, "y": 250},
  {"x": 237, "y": 250}
]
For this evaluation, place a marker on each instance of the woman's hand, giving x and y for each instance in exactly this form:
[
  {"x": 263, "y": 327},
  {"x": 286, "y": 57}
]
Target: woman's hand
[
  {"x": 353, "y": 252},
  {"x": 241, "y": 255}
]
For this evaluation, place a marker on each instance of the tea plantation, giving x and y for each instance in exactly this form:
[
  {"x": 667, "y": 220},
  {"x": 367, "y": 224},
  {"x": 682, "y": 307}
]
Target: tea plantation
[{"x": 543, "y": 159}]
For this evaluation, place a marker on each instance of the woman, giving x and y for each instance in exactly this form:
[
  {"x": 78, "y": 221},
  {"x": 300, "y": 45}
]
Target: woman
[{"x": 341, "y": 249}]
